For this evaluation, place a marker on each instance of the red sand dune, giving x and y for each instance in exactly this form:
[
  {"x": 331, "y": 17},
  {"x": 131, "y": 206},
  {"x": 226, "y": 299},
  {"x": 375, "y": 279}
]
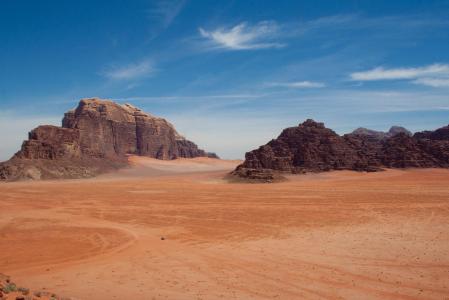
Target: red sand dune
[{"x": 337, "y": 235}]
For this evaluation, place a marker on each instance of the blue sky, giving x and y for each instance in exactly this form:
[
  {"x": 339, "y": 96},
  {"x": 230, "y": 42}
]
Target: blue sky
[{"x": 229, "y": 74}]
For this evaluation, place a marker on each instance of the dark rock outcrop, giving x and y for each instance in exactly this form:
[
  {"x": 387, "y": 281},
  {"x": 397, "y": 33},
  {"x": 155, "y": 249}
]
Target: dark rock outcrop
[
  {"x": 441, "y": 134},
  {"x": 311, "y": 147},
  {"x": 94, "y": 138},
  {"x": 255, "y": 176}
]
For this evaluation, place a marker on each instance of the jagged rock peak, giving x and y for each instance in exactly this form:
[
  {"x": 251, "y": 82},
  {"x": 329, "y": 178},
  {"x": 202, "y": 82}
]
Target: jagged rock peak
[{"x": 311, "y": 123}]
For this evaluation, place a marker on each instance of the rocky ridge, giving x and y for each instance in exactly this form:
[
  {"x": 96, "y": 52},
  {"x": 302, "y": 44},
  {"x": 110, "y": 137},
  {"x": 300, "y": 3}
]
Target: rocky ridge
[
  {"x": 380, "y": 134},
  {"x": 95, "y": 138},
  {"x": 311, "y": 147}
]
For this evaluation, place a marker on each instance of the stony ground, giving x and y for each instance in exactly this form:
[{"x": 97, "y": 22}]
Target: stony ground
[
  {"x": 9, "y": 290},
  {"x": 176, "y": 230}
]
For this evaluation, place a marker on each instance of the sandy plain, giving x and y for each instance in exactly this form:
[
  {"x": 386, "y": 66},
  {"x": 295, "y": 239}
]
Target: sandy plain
[{"x": 337, "y": 235}]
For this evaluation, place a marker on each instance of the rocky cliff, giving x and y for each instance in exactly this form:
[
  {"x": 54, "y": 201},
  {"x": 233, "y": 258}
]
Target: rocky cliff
[
  {"x": 94, "y": 138},
  {"x": 311, "y": 147}
]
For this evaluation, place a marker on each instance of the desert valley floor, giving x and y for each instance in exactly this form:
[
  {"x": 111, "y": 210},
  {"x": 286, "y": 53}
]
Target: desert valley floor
[{"x": 336, "y": 235}]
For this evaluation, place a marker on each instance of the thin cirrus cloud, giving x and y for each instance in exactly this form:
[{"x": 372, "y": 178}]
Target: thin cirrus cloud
[
  {"x": 298, "y": 84},
  {"x": 132, "y": 71},
  {"x": 435, "y": 75},
  {"x": 433, "y": 82},
  {"x": 166, "y": 11},
  {"x": 243, "y": 36}
]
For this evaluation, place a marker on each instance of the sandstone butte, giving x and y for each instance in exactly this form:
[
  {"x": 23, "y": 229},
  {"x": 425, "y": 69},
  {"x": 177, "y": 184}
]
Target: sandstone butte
[
  {"x": 311, "y": 147},
  {"x": 95, "y": 138}
]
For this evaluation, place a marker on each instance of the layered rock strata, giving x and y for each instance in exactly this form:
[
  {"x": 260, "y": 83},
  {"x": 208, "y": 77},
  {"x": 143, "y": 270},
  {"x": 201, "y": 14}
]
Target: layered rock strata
[{"x": 95, "y": 138}]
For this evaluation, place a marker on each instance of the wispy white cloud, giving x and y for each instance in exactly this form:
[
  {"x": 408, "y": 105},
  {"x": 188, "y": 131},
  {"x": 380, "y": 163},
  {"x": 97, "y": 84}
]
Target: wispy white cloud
[
  {"x": 381, "y": 73},
  {"x": 435, "y": 75},
  {"x": 268, "y": 34},
  {"x": 298, "y": 84},
  {"x": 132, "y": 71},
  {"x": 244, "y": 36},
  {"x": 433, "y": 82},
  {"x": 342, "y": 110},
  {"x": 166, "y": 11}
]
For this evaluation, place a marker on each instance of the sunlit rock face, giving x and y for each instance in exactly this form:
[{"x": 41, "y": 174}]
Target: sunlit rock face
[{"x": 96, "y": 137}]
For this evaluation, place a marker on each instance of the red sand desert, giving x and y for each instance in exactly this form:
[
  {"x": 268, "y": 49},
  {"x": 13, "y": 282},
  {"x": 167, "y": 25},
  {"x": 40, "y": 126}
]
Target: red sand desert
[{"x": 337, "y": 235}]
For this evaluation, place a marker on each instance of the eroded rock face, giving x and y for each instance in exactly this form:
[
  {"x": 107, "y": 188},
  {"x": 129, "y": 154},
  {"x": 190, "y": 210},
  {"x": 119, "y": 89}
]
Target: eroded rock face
[
  {"x": 95, "y": 137},
  {"x": 441, "y": 134},
  {"x": 108, "y": 129},
  {"x": 311, "y": 147}
]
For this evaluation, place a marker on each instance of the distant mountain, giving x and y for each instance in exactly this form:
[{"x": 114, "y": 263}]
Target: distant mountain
[
  {"x": 380, "y": 134},
  {"x": 311, "y": 147},
  {"x": 94, "y": 138}
]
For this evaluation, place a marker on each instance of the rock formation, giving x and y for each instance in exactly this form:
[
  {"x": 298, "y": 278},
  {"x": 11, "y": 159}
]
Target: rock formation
[
  {"x": 440, "y": 134},
  {"x": 311, "y": 147},
  {"x": 380, "y": 134},
  {"x": 94, "y": 138}
]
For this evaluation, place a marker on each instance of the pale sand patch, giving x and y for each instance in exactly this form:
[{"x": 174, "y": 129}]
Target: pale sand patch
[{"x": 151, "y": 167}]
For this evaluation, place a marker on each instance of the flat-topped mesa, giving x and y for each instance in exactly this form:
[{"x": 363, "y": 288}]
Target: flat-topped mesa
[
  {"x": 311, "y": 147},
  {"x": 110, "y": 129},
  {"x": 101, "y": 131}
]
